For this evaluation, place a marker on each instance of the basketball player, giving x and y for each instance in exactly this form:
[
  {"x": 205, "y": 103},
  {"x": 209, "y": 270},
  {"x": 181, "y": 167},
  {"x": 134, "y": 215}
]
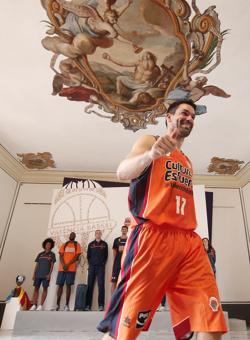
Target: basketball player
[
  {"x": 163, "y": 253},
  {"x": 118, "y": 247}
]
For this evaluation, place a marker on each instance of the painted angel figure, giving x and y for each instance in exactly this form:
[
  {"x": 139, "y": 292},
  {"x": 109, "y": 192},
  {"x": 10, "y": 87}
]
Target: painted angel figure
[
  {"x": 86, "y": 28},
  {"x": 198, "y": 88}
]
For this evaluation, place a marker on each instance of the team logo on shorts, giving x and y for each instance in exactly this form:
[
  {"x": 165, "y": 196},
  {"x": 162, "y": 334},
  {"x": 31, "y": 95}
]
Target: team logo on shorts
[
  {"x": 142, "y": 318},
  {"x": 127, "y": 322},
  {"x": 214, "y": 304}
]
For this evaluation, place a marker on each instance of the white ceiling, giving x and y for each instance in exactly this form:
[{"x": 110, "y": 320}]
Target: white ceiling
[{"x": 31, "y": 120}]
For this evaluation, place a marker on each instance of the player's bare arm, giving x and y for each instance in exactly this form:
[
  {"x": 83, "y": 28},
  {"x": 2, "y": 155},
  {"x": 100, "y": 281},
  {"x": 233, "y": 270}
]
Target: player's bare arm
[{"x": 144, "y": 151}]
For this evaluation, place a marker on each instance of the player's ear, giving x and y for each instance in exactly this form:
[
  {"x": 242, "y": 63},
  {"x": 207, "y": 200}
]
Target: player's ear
[{"x": 168, "y": 117}]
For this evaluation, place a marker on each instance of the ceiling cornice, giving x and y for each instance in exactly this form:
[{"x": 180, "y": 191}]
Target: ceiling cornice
[
  {"x": 10, "y": 165},
  {"x": 16, "y": 170}
]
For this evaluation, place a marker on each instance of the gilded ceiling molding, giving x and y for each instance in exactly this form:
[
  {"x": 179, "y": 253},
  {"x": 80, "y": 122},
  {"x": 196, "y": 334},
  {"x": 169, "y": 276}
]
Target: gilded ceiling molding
[
  {"x": 23, "y": 175},
  {"x": 223, "y": 166},
  {"x": 40, "y": 160}
]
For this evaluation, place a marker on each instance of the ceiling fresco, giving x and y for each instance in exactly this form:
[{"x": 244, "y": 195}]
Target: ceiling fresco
[
  {"x": 223, "y": 166},
  {"x": 192, "y": 50},
  {"x": 131, "y": 59},
  {"x": 40, "y": 160}
]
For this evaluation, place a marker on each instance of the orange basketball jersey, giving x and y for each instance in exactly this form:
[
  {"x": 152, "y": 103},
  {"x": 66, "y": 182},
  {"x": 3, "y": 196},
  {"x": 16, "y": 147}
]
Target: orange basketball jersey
[{"x": 163, "y": 193}]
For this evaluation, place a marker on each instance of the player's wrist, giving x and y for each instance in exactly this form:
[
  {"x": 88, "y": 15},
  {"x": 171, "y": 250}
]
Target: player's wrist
[{"x": 149, "y": 156}]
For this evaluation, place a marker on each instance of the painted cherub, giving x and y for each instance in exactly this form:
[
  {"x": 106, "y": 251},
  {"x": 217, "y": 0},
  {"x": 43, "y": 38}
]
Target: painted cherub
[{"x": 86, "y": 28}]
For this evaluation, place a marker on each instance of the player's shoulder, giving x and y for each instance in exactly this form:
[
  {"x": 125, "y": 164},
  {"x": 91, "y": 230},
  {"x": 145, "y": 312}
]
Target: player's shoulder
[{"x": 146, "y": 141}]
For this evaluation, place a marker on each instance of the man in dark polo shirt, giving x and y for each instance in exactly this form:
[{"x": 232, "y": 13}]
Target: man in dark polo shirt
[
  {"x": 44, "y": 266},
  {"x": 97, "y": 256}
]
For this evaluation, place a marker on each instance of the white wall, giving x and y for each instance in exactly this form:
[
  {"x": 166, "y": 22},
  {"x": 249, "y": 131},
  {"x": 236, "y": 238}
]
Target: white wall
[
  {"x": 30, "y": 222},
  {"x": 230, "y": 242},
  {"x": 246, "y": 204},
  {"x": 28, "y": 228},
  {"x": 8, "y": 187}
]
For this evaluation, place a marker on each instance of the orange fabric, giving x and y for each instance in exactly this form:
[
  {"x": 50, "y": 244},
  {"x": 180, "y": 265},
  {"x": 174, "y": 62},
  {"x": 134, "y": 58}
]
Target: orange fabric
[
  {"x": 184, "y": 273},
  {"x": 69, "y": 253},
  {"x": 169, "y": 197}
]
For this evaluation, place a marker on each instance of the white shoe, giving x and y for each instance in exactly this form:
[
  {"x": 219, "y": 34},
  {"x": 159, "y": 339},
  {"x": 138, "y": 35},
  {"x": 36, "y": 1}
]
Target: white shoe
[
  {"x": 40, "y": 308},
  {"x": 107, "y": 337},
  {"x": 33, "y": 308},
  {"x": 66, "y": 308},
  {"x": 161, "y": 309}
]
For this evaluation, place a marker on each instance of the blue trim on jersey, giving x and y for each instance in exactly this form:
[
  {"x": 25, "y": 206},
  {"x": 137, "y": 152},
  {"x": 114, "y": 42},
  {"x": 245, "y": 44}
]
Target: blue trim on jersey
[
  {"x": 137, "y": 192},
  {"x": 109, "y": 323}
]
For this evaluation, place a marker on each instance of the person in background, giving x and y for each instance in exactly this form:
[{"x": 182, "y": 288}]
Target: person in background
[
  {"x": 42, "y": 273},
  {"x": 97, "y": 255},
  {"x": 118, "y": 247},
  {"x": 210, "y": 252},
  {"x": 69, "y": 254}
]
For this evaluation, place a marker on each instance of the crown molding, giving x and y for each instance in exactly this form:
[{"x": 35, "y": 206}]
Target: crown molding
[
  {"x": 11, "y": 165},
  {"x": 54, "y": 176},
  {"x": 16, "y": 170},
  {"x": 225, "y": 181}
]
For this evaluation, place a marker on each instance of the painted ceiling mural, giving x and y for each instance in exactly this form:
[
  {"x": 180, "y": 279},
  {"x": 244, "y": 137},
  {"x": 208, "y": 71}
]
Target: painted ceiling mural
[
  {"x": 40, "y": 160},
  {"x": 224, "y": 166},
  {"x": 130, "y": 59}
]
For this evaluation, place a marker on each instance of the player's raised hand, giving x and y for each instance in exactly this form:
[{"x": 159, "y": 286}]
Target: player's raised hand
[{"x": 163, "y": 145}]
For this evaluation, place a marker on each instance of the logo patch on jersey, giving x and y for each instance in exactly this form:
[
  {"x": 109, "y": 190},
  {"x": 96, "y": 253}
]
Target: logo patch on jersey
[
  {"x": 214, "y": 304},
  {"x": 69, "y": 250},
  {"x": 179, "y": 174},
  {"x": 127, "y": 322},
  {"x": 142, "y": 318}
]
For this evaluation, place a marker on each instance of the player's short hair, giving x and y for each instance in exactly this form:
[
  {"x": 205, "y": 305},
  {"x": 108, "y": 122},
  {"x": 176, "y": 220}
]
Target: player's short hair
[
  {"x": 173, "y": 107},
  {"x": 124, "y": 226}
]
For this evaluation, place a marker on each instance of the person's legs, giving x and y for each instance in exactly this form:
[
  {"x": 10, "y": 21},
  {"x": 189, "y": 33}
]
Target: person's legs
[
  {"x": 101, "y": 286},
  {"x": 61, "y": 277},
  {"x": 37, "y": 284},
  {"x": 91, "y": 283},
  {"x": 163, "y": 301},
  {"x": 59, "y": 295},
  {"x": 68, "y": 293},
  {"x": 44, "y": 295},
  {"x": 35, "y": 296},
  {"x": 193, "y": 296},
  {"x": 113, "y": 287},
  {"x": 115, "y": 274},
  {"x": 137, "y": 296},
  {"x": 70, "y": 280},
  {"x": 45, "y": 291}
]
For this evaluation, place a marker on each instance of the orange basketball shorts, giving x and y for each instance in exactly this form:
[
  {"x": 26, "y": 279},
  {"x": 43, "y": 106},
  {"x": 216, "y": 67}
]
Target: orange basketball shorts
[{"x": 159, "y": 260}]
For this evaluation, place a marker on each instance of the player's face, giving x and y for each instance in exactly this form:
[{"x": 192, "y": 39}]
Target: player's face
[
  {"x": 183, "y": 120},
  {"x": 124, "y": 231},
  {"x": 72, "y": 236},
  {"x": 48, "y": 246},
  {"x": 98, "y": 234}
]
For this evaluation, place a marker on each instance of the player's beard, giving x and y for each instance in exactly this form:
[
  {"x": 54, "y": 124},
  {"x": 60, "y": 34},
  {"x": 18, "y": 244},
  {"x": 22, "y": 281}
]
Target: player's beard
[{"x": 184, "y": 128}]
